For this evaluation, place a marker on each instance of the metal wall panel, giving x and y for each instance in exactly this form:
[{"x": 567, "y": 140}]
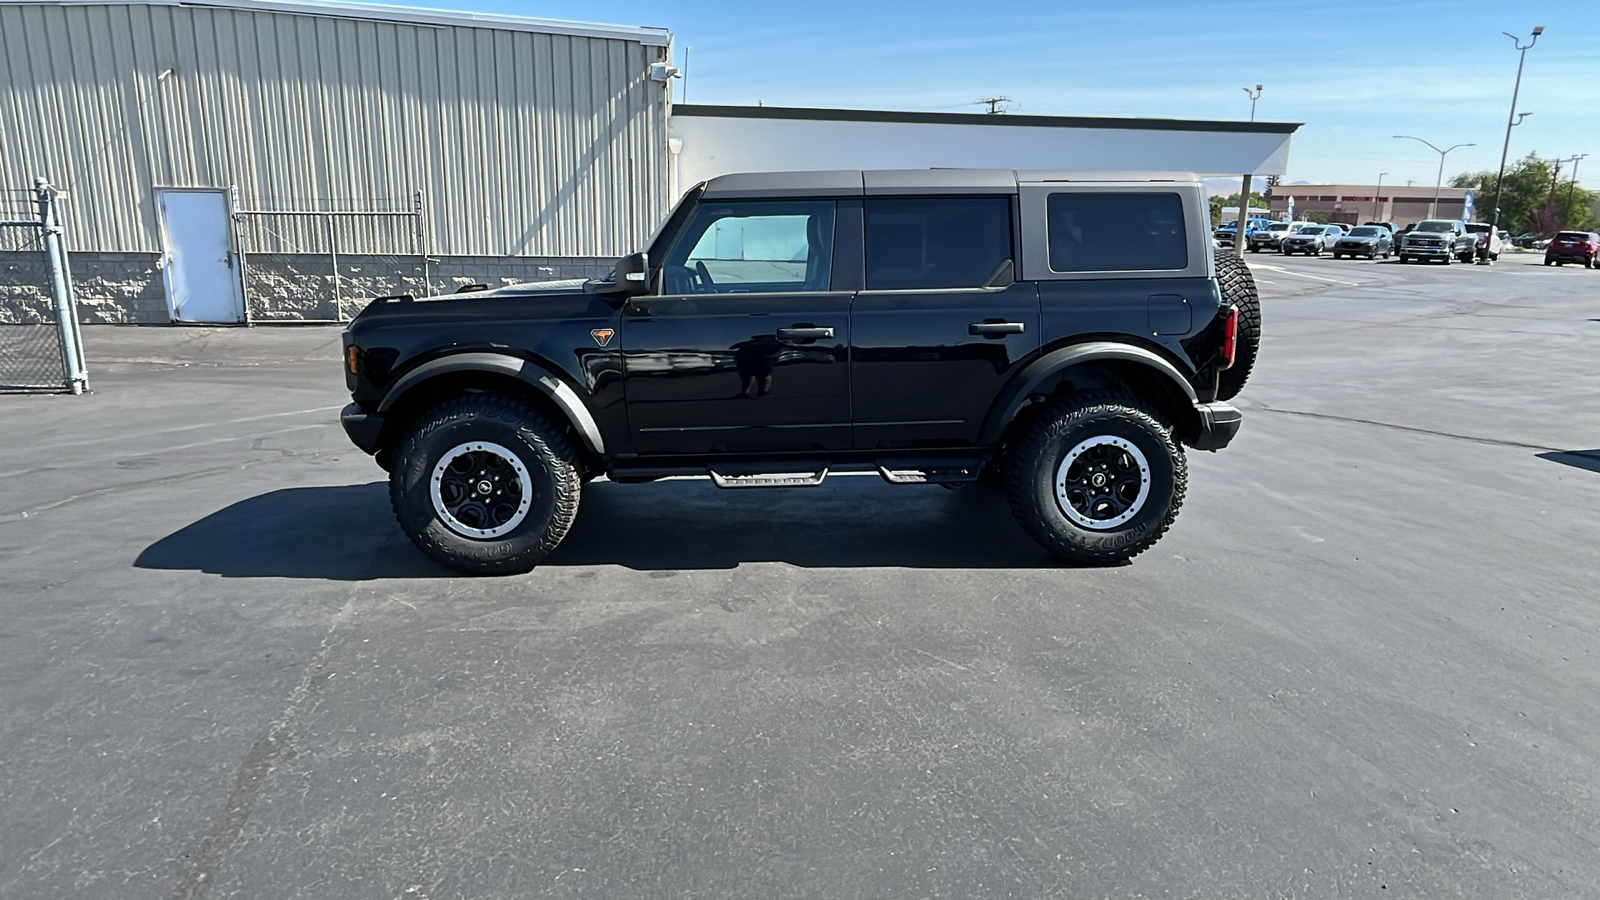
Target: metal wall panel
[{"x": 519, "y": 143}]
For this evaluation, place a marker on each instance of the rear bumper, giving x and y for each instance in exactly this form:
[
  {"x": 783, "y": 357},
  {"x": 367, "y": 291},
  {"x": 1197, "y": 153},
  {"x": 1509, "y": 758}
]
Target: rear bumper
[
  {"x": 1219, "y": 422},
  {"x": 362, "y": 427}
]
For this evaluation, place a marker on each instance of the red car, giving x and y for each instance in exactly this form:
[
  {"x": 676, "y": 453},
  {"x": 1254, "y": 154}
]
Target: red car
[{"x": 1574, "y": 247}]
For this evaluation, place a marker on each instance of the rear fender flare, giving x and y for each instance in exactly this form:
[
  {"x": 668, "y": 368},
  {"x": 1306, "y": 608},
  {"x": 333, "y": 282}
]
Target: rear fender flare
[
  {"x": 1032, "y": 379},
  {"x": 526, "y": 371}
]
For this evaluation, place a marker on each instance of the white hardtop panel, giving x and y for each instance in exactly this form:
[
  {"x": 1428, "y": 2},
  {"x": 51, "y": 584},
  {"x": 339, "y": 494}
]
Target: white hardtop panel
[
  {"x": 1103, "y": 176},
  {"x": 745, "y": 185},
  {"x": 931, "y": 181}
]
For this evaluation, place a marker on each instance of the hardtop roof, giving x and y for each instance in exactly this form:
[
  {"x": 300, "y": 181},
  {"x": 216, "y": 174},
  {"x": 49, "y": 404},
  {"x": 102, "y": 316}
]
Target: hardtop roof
[{"x": 851, "y": 182}]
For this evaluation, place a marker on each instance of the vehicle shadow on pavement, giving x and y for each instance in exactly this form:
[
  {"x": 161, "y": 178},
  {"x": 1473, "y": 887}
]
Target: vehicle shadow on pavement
[
  {"x": 1578, "y": 459},
  {"x": 342, "y": 533},
  {"x": 846, "y": 522},
  {"x": 347, "y": 533}
]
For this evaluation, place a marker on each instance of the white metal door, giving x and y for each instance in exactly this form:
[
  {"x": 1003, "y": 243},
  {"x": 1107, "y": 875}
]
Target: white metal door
[{"x": 202, "y": 271}]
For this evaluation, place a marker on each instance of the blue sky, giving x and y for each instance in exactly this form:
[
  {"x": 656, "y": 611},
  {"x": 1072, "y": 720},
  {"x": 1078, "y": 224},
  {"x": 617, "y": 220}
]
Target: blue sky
[{"x": 1354, "y": 72}]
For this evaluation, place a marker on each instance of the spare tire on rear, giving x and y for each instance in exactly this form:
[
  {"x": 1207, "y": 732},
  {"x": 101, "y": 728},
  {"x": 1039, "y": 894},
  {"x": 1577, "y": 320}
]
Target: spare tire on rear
[{"x": 1239, "y": 289}]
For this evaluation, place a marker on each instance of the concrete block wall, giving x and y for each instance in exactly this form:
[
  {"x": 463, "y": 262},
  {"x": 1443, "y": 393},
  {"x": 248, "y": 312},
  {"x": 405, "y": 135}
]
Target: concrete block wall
[
  {"x": 119, "y": 288},
  {"x": 128, "y": 288},
  {"x": 24, "y": 288}
]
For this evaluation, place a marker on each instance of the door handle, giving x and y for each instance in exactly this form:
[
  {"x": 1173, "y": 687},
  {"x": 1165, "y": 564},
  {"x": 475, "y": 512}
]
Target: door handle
[
  {"x": 994, "y": 329},
  {"x": 804, "y": 333}
]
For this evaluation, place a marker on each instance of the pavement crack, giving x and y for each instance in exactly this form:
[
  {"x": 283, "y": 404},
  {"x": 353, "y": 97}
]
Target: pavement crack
[
  {"x": 250, "y": 779},
  {"x": 1477, "y": 439}
]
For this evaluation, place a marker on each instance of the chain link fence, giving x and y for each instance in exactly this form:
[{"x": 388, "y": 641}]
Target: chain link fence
[
  {"x": 324, "y": 265},
  {"x": 41, "y": 348}
]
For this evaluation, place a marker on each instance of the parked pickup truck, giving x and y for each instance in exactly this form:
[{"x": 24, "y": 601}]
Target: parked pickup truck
[
  {"x": 1065, "y": 334},
  {"x": 1445, "y": 240}
]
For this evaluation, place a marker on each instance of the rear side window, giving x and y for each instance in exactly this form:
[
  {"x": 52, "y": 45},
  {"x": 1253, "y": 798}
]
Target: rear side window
[
  {"x": 1116, "y": 232},
  {"x": 937, "y": 243}
]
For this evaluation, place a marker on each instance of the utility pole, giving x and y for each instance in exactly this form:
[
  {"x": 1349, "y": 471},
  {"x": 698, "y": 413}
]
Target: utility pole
[
  {"x": 1572, "y": 187},
  {"x": 1377, "y": 199},
  {"x": 994, "y": 105}
]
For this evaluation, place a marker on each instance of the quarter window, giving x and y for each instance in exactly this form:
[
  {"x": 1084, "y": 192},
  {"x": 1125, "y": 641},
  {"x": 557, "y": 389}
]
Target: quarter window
[
  {"x": 753, "y": 247},
  {"x": 1116, "y": 232},
  {"x": 937, "y": 243}
]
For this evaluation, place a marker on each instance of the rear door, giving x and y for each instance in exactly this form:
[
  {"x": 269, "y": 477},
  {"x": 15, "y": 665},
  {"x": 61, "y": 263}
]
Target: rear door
[
  {"x": 941, "y": 324},
  {"x": 745, "y": 349}
]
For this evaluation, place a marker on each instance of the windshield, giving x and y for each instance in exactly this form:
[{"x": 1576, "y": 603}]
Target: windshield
[
  {"x": 1478, "y": 229},
  {"x": 1363, "y": 232},
  {"x": 1572, "y": 236},
  {"x": 1278, "y": 226},
  {"x": 1435, "y": 225},
  {"x": 1313, "y": 229}
]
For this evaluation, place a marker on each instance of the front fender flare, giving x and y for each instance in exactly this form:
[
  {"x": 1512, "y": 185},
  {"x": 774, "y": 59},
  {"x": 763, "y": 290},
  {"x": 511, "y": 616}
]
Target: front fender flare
[
  {"x": 530, "y": 373},
  {"x": 1036, "y": 374}
]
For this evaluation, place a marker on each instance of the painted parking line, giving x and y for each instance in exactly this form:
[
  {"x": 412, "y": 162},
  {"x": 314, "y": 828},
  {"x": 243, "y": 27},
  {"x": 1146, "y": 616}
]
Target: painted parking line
[{"x": 1303, "y": 275}]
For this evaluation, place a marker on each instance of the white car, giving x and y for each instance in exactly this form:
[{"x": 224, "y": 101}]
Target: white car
[{"x": 1312, "y": 239}]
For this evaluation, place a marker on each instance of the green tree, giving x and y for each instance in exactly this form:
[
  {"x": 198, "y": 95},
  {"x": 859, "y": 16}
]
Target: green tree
[
  {"x": 1218, "y": 202},
  {"x": 1533, "y": 198}
]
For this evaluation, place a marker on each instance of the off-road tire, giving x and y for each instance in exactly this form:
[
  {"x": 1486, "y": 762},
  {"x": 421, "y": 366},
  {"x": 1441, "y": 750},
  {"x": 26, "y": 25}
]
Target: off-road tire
[
  {"x": 541, "y": 446},
  {"x": 1034, "y": 463},
  {"x": 1238, "y": 288}
]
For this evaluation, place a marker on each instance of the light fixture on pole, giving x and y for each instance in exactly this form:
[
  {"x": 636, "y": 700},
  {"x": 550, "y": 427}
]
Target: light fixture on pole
[
  {"x": 1516, "y": 89},
  {"x": 1254, "y": 96},
  {"x": 1433, "y": 209}
]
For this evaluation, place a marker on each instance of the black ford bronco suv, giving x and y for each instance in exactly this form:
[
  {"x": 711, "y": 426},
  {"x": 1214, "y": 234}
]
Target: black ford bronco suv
[{"x": 1063, "y": 333}]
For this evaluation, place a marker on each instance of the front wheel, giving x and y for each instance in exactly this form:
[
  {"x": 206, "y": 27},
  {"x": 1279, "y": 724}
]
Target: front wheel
[
  {"x": 1096, "y": 478},
  {"x": 485, "y": 484}
]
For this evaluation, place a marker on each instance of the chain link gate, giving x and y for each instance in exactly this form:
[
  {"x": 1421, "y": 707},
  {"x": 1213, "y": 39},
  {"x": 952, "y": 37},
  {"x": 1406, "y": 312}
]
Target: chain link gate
[
  {"x": 323, "y": 265},
  {"x": 41, "y": 347}
]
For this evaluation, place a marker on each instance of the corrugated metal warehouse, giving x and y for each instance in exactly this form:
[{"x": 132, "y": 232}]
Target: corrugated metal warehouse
[
  {"x": 227, "y": 161},
  {"x": 354, "y": 149}
]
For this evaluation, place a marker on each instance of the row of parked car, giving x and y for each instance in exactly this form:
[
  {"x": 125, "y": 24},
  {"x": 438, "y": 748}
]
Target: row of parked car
[{"x": 1442, "y": 240}]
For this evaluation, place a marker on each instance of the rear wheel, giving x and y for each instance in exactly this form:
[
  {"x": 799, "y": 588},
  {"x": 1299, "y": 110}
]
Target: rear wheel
[
  {"x": 1096, "y": 478},
  {"x": 485, "y": 484}
]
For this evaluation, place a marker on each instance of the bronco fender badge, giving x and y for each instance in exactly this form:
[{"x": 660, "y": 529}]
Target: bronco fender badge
[{"x": 602, "y": 336}]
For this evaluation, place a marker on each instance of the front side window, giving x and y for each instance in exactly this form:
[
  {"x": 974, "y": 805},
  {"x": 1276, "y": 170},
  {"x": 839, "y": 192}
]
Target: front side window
[
  {"x": 937, "y": 243},
  {"x": 1116, "y": 232},
  {"x": 753, "y": 247}
]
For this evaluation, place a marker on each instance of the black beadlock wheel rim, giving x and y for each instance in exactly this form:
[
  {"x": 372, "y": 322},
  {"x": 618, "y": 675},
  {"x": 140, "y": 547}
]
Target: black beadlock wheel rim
[
  {"x": 480, "y": 490},
  {"x": 1102, "y": 483}
]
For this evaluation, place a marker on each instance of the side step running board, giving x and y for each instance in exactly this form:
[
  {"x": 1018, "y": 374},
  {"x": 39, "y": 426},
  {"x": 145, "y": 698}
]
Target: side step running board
[
  {"x": 955, "y": 474},
  {"x": 769, "y": 479}
]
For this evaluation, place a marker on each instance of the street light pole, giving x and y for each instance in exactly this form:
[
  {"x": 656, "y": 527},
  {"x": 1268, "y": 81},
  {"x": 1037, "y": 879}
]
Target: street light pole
[
  {"x": 1243, "y": 222},
  {"x": 1433, "y": 210},
  {"x": 1377, "y": 200},
  {"x": 1515, "y": 90}
]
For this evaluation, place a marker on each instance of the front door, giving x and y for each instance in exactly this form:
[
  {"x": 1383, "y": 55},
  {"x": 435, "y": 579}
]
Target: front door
[
  {"x": 941, "y": 326},
  {"x": 202, "y": 273},
  {"x": 745, "y": 350}
]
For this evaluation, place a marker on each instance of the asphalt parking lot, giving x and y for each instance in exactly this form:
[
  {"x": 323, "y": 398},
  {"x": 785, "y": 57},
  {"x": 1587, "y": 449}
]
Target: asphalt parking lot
[{"x": 1364, "y": 662}]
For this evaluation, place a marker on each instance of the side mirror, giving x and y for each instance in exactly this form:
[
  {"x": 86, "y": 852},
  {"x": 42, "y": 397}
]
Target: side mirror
[
  {"x": 630, "y": 277},
  {"x": 633, "y": 274}
]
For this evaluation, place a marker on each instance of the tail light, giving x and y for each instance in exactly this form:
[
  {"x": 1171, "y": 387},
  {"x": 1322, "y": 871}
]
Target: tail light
[{"x": 1230, "y": 337}]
